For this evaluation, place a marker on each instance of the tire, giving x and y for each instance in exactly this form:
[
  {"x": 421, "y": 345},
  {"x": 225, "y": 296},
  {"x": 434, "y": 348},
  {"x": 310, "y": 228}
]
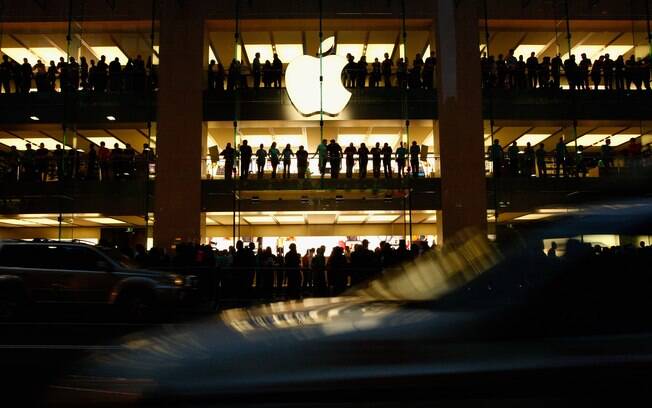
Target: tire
[
  {"x": 138, "y": 306},
  {"x": 12, "y": 302}
]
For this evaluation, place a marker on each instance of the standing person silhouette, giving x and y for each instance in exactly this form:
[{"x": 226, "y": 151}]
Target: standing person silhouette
[
  {"x": 274, "y": 158},
  {"x": 302, "y": 162},
  {"x": 335, "y": 158},
  {"x": 322, "y": 153},
  {"x": 415, "y": 151},
  {"x": 386, "y": 68},
  {"x": 229, "y": 161},
  {"x": 401, "y": 153},
  {"x": 245, "y": 159},
  {"x": 261, "y": 158},
  {"x": 277, "y": 67},
  {"x": 363, "y": 159},
  {"x": 349, "y": 153},
  {"x": 256, "y": 70},
  {"x": 287, "y": 160},
  {"x": 387, "y": 160},
  {"x": 376, "y": 152}
]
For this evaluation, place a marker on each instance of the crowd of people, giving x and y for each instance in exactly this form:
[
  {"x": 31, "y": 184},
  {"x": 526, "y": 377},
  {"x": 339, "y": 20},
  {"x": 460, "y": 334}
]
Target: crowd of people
[
  {"x": 568, "y": 160},
  {"x": 504, "y": 71},
  {"x": 245, "y": 270},
  {"x": 510, "y": 72},
  {"x": 104, "y": 76},
  {"x": 328, "y": 154},
  {"x": 41, "y": 164}
]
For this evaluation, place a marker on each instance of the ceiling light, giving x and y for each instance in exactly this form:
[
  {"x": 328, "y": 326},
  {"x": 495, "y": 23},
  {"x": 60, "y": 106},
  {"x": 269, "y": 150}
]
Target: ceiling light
[
  {"x": 557, "y": 210},
  {"x": 532, "y": 138},
  {"x": 12, "y": 221},
  {"x": 111, "y": 118},
  {"x": 432, "y": 218},
  {"x": 588, "y": 140},
  {"x": 288, "y": 52},
  {"x": 382, "y": 218},
  {"x": 48, "y": 142},
  {"x": 111, "y": 53},
  {"x": 34, "y": 118},
  {"x": 353, "y": 49},
  {"x": 378, "y": 51},
  {"x": 265, "y": 50},
  {"x": 530, "y": 217},
  {"x": 526, "y": 49},
  {"x": 619, "y": 139},
  {"x": 263, "y": 219},
  {"x": 104, "y": 220},
  {"x": 18, "y": 54},
  {"x": 109, "y": 141},
  {"x": 45, "y": 221},
  {"x": 351, "y": 218},
  {"x": 290, "y": 219},
  {"x": 49, "y": 54}
]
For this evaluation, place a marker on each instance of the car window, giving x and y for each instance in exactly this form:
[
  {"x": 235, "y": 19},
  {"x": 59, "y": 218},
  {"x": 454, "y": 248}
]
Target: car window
[
  {"x": 29, "y": 256},
  {"x": 79, "y": 258}
]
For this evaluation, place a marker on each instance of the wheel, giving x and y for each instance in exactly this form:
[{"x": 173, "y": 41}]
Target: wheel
[
  {"x": 138, "y": 305},
  {"x": 12, "y": 302}
]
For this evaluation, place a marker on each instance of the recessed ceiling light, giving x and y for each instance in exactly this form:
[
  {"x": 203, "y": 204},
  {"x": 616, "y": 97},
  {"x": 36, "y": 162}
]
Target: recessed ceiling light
[
  {"x": 530, "y": 217},
  {"x": 34, "y": 118},
  {"x": 110, "y": 117}
]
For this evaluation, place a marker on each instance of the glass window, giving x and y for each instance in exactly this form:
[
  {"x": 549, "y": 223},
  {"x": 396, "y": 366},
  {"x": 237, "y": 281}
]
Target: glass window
[
  {"x": 79, "y": 258},
  {"x": 29, "y": 256}
]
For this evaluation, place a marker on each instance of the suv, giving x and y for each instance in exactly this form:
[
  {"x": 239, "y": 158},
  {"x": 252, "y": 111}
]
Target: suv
[{"x": 56, "y": 272}]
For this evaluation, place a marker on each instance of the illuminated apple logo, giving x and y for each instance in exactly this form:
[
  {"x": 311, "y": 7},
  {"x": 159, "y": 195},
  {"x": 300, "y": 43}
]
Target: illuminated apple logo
[{"x": 302, "y": 83}]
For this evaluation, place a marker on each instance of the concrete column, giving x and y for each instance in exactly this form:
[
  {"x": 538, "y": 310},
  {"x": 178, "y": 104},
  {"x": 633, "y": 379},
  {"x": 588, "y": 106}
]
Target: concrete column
[
  {"x": 181, "y": 136},
  {"x": 460, "y": 119}
]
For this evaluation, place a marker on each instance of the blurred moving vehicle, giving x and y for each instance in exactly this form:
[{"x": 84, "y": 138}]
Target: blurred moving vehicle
[
  {"x": 56, "y": 272},
  {"x": 475, "y": 322}
]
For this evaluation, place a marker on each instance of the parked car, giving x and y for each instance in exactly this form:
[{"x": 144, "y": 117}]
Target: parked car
[{"x": 57, "y": 272}]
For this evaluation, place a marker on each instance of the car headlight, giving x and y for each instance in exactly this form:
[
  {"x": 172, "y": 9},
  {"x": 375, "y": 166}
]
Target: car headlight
[{"x": 177, "y": 280}]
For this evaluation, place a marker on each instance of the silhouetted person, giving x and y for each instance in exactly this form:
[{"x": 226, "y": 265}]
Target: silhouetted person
[
  {"x": 261, "y": 158},
  {"x": 363, "y": 159},
  {"x": 555, "y": 70},
  {"x": 42, "y": 162},
  {"x": 387, "y": 160},
  {"x": 386, "y": 68},
  {"x": 245, "y": 160},
  {"x": 401, "y": 154},
  {"x": 91, "y": 164},
  {"x": 584, "y": 69},
  {"x": 361, "y": 76},
  {"x": 5, "y": 75},
  {"x": 544, "y": 73},
  {"x": 229, "y": 161},
  {"x": 374, "y": 78},
  {"x": 606, "y": 155},
  {"x": 596, "y": 72},
  {"x": 349, "y": 154},
  {"x": 83, "y": 73},
  {"x": 376, "y": 153},
  {"x": 256, "y": 70},
  {"x": 608, "y": 72},
  {"x": 277, "y": 67},
  {"x": 287, "y": 160},
  {"x": 26, "y": 76},
  {"x": 619, "y": 73},
  {"x": 115, "y": 75},
  {"x": 233, "y": 77},
  {"x": 335, "y": 158},
  {"x": 630, "y": 71},
  {"x": 52, "y": 76},
  {"x": 322, "y": 153},
  {"x": 302, "y": 162},
  {"x": 572, "y": 72},
  {"x": 532, "y": 65},
  {"x": 28, "y": 162},
  {"x": 293, "y": 271},
  {"x": 129, "y": 160},
  {"x": 101, "y": 71},
  {"x": 560, "y": 157},
  {"x": 267, "y": 74},
  {"x": 40, "y": 77},
  {"x": 74, "y": 74},
  {"x": 415, "y": 151},
  {"x": 496, "y": 157},
  {"x": 429, "y": 71},
  {"x": 350, "y": 72},
  {"x": 402, "y": 73},
  {"x": 337, "y": 267},
  {"x": 529, "y": 160},
  {"x": 318, "y": 266},
  {"x": 117, "y": 162},
  {"x": 274, "y": 158}
]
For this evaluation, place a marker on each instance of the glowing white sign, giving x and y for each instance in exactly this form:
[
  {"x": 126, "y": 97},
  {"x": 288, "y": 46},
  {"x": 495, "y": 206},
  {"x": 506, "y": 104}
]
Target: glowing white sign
[{"x": 302, "y": 84}]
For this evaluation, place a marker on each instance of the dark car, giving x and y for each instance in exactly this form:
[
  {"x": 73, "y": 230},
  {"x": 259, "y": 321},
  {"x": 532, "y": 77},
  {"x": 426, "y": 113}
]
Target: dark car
[{"x": 57, "y": 272}]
